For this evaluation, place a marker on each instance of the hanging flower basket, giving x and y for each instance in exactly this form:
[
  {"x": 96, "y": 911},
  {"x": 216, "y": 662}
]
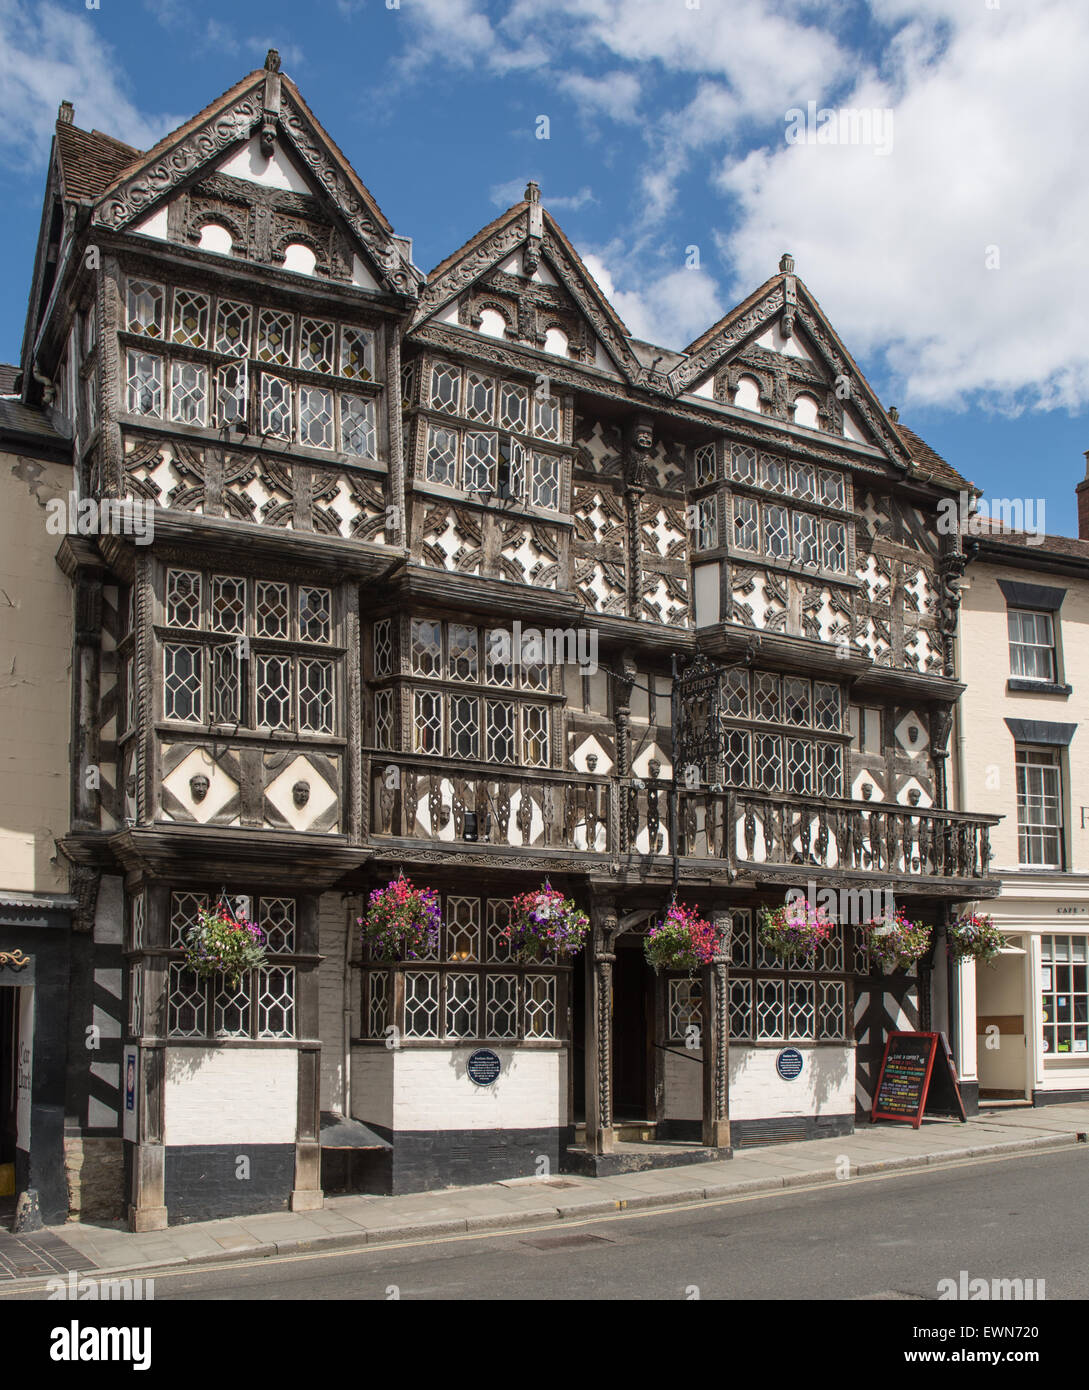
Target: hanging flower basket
[
  {"x": 895, "y": 943},
  {"x": 795, "y": 930},
  {"x": 682, "y": 940},
  {"x": 545, "y": 922},
  {"x": 402, "y": 922},
  {"x": 975, "y": 934},
  {"x": 224, "y": 942}
]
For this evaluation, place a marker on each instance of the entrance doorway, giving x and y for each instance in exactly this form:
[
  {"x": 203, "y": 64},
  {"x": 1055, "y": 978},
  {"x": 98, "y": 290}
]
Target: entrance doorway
[
  {"x": 9, "y": 1023},
  {"x": 633, "y": 1034},
  {"x": 1002, "y": 1054}
]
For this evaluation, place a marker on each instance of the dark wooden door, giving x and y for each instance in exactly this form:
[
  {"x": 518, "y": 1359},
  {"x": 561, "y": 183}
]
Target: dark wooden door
[
  {"x": 632, "y": 1015},
  {"x": 8, "y": 1095}
]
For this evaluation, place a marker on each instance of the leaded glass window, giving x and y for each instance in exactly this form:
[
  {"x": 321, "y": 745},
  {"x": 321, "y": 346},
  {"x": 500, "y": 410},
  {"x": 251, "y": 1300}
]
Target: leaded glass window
[
  {"x": 806, "y": 539},
  {"x": 835, "y": 546},
  {"x": 226, "y": 684},
  {"x": 547, "y": 417},
  {"x": 188, "y": 393},
  {"x": 777, "y": 532},
  {"x": 275, "y": 337},
  {"x": 232, "y": 390},
  {"x": 743, "y": 463},
  {"x": 315, "y": 614},
  {"x": 479, "y": 397},
  {"x": 513, "y": 407},
  {"x": 145, "y": 383},
  {"x": 705, "y": 464},
  {"x": 233, "y": 325},
  {"x": 442, "y": 455},
  {"x": 831, "y": 489},
  {"x": 499, "y": 728},
  {"x": 768, "y": 761},
  {"x": 190, "y": 321},
  {"x": 383, "y": 719},
  {"x": 827, "y": 707},
  {"x": 275, "y": 406},
  {"x": 540, "y": 1006},
  {"x": 546, "y": 482},
  {"x": 464, "y": 727},
  {"x": 357, "y": 354},
  {"x": 446, "y": 387},
  {"x": 427, "y": 730},
  {"x": 481, "y": 455},
  {"x": 773, "y": 473},
  {"x": 183, "y": 682},
  {"x": 273, "y": 692},
  {"x": 357, "y": 431},
  {"x": 501, "y": 1006},
  {"x": 183, "y": 598},
  {"x": 316, "y": 345},
  {"x": 706, "y": 524},
  {"x": 145, "y": 305},
  {"x": 746, "y": 524},
  {"x": 316, "y": 417},
  {"x": 829, "y": 769},
  {"x": 796, "y": 700},
  {"x": 316, "y": 696},
  {"x": 272, "y": 609},
  {"x": 426, "y": 647},
  {"x": 463, "y": 652},
  {"x": 383, "y": 647},
  {"x": 535, "y": 735},
  {"x": 799, "y": 766},
  {"x": 805, "y": 482},
  {"x": 766, "y": 696}
]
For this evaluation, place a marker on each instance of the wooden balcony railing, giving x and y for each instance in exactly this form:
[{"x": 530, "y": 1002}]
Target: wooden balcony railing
[{"x": 427, "y": 799}]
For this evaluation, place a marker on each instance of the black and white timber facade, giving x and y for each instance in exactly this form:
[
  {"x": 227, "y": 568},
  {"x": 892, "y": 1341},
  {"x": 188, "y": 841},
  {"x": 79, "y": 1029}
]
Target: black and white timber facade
[{"x": 360, "y": 474}]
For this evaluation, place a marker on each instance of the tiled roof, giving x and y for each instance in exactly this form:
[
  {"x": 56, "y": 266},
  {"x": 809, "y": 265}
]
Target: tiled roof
[
  {"x": 28, "y": 422},
  {"x": 991, "y": 532},
  {"x": 728, "y": 318},
  {"x": 89, "y": 160},
  {"x": 8, "y": 373},
  {"x": 924, "y": 457},
  {"x": 475, "y": 240}
]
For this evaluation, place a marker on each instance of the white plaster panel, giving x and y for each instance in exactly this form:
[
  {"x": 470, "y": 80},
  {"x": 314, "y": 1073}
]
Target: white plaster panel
[
  {"x": 432, "y": 1090},
  {"x": 372, "y": 1085},
  {"x": 826, "y": 1085},
  {"x": 233, "y": 1095}
]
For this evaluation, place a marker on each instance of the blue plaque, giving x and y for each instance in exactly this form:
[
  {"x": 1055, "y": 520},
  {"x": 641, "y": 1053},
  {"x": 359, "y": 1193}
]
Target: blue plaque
[
  {"x": 483, "y": 1066},
  {"x": 789, "y": 1063}
]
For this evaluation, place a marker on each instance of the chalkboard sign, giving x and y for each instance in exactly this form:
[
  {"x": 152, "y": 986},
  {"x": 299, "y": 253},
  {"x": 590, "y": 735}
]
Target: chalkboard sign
[
  {"x": 904, "y": 1081},
  {"x": 483, "y": 1066}
]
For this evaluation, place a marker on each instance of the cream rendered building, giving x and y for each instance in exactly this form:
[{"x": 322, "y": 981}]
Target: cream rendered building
[{"x": 1021, "y": 1025}]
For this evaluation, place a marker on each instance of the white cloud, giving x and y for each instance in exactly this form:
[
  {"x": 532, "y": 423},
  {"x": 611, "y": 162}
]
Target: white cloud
[
  {"x": 613, "y": 94},
  {"x": 48, "y": 54},
  {"x": 987, "y": 154},
  {"x": 669, "y": 309}
]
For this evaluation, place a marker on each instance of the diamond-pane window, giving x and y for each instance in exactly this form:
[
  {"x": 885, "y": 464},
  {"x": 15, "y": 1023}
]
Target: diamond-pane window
[
  {"x": 827, "y": 707},
  {"x": 357, "y": 434},
  {"x": 741, "y": 938},
  {"x": 183, "y": 915},
  {"x": 684, "y": 1008},
  {"x": 276, "y": 1001},
  {"x": 479, "y": 397},
  {"x": 773, "y": 473},
  {"x": 799, "y": 766},
  {"x": 807, "y": 543},
  {"x": 804, "y": 478},
  {"x": 145, "y": 308},
  {"x": 275, "y": 406},
  {"x": 383, "y": 648},
  {"x": 801, "y": 1009},
  {"x": 736, "y": 760},
  {"x": 316, "y": 696},
  {"x": 183, "y": 683},
  {"x": 546, "y": 482},
  {"x": 228, "y": 604},
  {"x": 383, "y": 719},
  {"x": 442, "y": 455},
  {"x": 514, "y": 407},
  {"x": 500, "y": 731},
  {"x": 776, "y": 532},
  {"x": 145, "y": 383},
  {"x": 796, "y": 700},
  {"x": 426, "y": 647},
  {"x": 190, "y": 321},
  {"x": 463, "y": 652},
  {"x": 378, "y": 1001},
  {"x": 746, "y": 524},
  {"x": 705, "y": 464},
  {"x": 275, "y": 337},
  {"x": 501, "y": 1006},
  {"x": 481, "y": 456},
  {"x": 829, "y": 769},
  {"x": 316, "y": 417},
  {"x": 186, "y": 1003},
  {"x": 462, "y": 1003},
  {"x": 769, "y": 762},
  {"x": 276, "y": 918},
  {"x": 535, "y": 735},
  {"x": 188, "y": 393},
  {"x": 741, "y": 1009},
  {"x": 357, "y": 354},
  {"x": 315, "y": 614},
  {"x": 735, "y": 693},
  {"x": 547, "y": 418},
  {"x": 512, "y": 456},
  {"x": 766, "y": 695},
  {"x": 743, "y": 463},
  {"x": 183, "y": 589},
  {"x": 770, "y": 1014},
  {"x": 832, "y": 489},
  {"x": 835, "y": 546},
  {"x": 706, "y": 524},
  {"x": 462, "y": 928},
  {"x": 533, "y": 666},
  {"x": 233, "y": 323},
  {"x": 446, "y": 387},
  {"x": 831, "y": 1009},
  {"x": 316, "y": 345},
  {"x": 231, "y": 1009},
  {"x": 422, "y": 1003},
  {"x": 274, "y": 692},
  {"x": 271, "y": 609},
  {"x": 540, "y": 1006},
  {"x": 408, "y": 385},
  {"x": 232, "y": 392},
  {"x": 427, "y": 730},
  {"x": 464, "y": 727},
  {"x": 226, "y": 684},
  {"x": 498, "y": 666},
  {"x": 497, "y": 944}
]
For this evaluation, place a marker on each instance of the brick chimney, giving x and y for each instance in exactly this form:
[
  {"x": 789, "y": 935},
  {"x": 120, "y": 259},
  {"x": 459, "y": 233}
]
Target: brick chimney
[{"x": 1083, "y": 503}]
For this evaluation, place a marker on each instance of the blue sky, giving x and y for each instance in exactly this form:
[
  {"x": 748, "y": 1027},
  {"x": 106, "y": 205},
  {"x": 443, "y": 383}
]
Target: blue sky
[{"x": 944, "y": 240}]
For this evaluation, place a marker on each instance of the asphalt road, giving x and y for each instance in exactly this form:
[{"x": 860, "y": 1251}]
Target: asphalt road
[{"x": 864, "y": 1238}]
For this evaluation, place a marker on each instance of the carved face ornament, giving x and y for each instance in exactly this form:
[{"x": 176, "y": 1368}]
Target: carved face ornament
[
  {"x": 199, "y": 786},
  {"x": 300, "y": 793}
]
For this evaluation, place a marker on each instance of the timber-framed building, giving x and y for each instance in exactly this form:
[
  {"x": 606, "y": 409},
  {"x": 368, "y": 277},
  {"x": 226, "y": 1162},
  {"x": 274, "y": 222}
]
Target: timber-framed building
[{"x": 359, "y": 475}]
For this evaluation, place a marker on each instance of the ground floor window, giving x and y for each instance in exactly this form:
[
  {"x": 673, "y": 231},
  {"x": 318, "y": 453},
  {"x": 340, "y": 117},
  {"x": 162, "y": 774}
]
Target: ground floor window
[{"x": 1064, "y": 988}]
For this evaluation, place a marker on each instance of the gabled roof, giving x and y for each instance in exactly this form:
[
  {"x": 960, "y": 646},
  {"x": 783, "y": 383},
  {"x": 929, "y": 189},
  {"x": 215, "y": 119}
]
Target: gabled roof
[
  {"x": 265, "y": 101},
  {"x": 89, "y": 161},
  {"x": 991, "y": 533},
  {"x": 929, "y": 461}
]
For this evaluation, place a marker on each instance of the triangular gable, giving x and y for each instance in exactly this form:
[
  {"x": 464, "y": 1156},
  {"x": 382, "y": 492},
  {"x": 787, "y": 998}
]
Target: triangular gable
[
  {"x": 526, "y": 245},
  {"x": 783, "y": 308},
  {"x": 269, "y": 108}
]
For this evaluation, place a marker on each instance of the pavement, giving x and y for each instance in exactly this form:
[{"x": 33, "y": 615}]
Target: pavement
[{"x": 355, "y": 1222}]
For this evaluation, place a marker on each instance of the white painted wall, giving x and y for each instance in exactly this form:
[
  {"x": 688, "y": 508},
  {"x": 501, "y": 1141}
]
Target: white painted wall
[
  {"x": 248, "y": 162},
  {"x": 233, "y": 1095},
  {"x": 154, "y": 224},
  {"x": 826, "y": 1085},
  {"x": 707, "y": 593},
  {"x": 433, "y": 1090},
  {"x": 372, "y": 1085}
]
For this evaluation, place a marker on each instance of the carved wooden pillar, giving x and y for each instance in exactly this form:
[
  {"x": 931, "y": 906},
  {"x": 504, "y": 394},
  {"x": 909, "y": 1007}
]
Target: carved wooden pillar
[
  {"x": 715, "y": 1038},
  {"x": 599, "y": 1027},
  {"x": 86, "y": 572},
  {"x": 940, "y": 723}
]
